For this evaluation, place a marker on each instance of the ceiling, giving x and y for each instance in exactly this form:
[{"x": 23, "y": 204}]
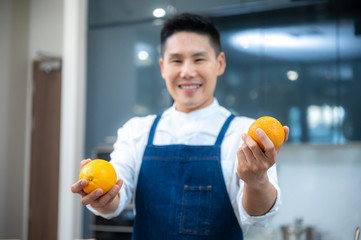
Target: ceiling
[
  {"x": 325, "y": 41},
  {"x": 128, "y": 11},
  {"x": 301, "y": 42}
]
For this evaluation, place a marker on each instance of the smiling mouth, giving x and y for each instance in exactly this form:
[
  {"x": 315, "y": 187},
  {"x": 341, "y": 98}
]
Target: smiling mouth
[{"x": 195, "y": 86}]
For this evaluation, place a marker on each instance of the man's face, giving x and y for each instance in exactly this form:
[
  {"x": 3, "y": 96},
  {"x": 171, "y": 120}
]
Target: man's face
[{"x": 190, "y": 69}]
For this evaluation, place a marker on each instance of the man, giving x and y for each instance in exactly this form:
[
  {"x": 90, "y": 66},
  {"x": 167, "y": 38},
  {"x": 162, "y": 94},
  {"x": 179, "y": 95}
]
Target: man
[{"x": 194, "y": 170}]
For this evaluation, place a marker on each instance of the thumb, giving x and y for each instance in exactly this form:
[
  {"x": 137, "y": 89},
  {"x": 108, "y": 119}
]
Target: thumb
[
  {"x": 84, "y": 161},
  {"x": 120, "y": 183}
]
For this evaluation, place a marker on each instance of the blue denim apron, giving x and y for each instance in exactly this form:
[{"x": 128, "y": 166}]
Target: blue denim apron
[{"x": 181, "y": 193}]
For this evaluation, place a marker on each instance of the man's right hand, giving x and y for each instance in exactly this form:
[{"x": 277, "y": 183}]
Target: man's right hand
[{"x": 104, "y": 204}]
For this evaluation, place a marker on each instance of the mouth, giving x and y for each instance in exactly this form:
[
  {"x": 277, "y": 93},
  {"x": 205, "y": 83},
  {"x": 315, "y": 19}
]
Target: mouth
[{"x": 190, "y": 86}]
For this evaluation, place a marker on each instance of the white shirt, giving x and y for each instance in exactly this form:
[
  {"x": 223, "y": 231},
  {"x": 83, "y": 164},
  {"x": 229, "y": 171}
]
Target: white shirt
[{"x": 200, "y": 127}]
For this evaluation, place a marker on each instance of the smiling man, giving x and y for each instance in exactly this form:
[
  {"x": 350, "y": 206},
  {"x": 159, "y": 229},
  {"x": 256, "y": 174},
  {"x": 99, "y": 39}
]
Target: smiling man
[
  {"x": 195, "y": 172},
  {"x": 190, "y": 68}
]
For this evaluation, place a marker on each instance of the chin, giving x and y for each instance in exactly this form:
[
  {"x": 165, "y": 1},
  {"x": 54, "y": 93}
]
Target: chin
[{"x": 190, "y": 107}]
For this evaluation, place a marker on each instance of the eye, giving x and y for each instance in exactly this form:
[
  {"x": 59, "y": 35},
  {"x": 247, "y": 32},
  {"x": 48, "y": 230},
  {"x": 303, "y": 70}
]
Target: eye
[
  {"x": 199, "y": 59},
  {"x": 175, "y": 61}
]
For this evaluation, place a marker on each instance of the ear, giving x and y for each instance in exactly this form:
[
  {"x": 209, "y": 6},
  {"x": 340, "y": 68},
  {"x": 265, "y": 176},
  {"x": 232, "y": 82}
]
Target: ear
[
  {"x": 221, "y": 63},
  {"x": 162, "y": 70}
]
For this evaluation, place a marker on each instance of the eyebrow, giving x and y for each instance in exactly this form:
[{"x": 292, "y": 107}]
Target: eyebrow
[
  {"x": 196, "y": 54},
  {"x": 200, "y": 53}
]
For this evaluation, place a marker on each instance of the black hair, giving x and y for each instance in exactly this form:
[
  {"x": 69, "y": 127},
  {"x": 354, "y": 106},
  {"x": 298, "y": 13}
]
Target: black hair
[{"x": 187, "y": 22}]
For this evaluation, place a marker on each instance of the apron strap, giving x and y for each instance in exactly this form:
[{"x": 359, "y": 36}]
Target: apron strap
[
  {"x": 224, "y": 130},
  {"x": 152, "y": 130}
]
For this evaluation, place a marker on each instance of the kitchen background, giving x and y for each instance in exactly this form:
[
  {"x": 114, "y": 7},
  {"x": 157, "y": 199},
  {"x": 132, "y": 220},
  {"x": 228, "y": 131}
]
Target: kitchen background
[{"x": 299, "y": 61}]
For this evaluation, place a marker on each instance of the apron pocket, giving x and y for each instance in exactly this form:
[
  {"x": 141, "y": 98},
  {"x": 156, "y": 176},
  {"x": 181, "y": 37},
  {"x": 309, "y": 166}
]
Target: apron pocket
[{"x": 196, "y": 210}]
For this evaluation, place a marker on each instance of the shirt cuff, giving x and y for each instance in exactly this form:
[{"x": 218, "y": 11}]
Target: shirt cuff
[{"x": 260, "y": 221}]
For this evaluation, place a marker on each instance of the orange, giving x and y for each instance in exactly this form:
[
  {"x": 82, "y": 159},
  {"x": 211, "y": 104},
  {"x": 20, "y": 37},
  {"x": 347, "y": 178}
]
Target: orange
[
  {"x": 100, "y": 174},
  {"x": 272, "y": 127}
]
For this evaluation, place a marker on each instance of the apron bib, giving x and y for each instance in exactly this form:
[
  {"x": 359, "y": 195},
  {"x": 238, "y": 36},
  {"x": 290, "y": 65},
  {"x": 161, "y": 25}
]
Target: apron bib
[{"x": 181, "y": 193}]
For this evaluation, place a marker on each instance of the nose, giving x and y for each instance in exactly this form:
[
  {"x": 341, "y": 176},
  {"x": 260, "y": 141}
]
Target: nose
[{"x": 187, "y": 70}]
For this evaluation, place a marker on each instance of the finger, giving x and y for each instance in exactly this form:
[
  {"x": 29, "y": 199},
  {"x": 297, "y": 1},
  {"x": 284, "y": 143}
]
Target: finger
[
  {"x": 241, "y": 157},
  {"x": 115, "y": 189},
  {"x": 287, "y": 131},
  {"x": 242, "y": 162},
  {"x": 270, "y": 153},
  {"x": 84, "y": 161},
  {"x": 91, "y": 197},
  {"x": 255, "y": 149},
  {"x": 109, "y": 196},
  {"x": 248, "y": 154},
  {"x": 79, "y": 185},
  {"x": 267, "y": 143},
  {"x": 82, "y": 193},
  {"x": 256, "y": 157},
  {"x": 120, "y": 183},
  {"x": 253, "y": 146}
]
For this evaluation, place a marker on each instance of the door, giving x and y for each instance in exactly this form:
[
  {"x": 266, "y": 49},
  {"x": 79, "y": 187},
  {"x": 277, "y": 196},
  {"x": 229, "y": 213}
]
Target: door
[{"x": 45, "y": 141}]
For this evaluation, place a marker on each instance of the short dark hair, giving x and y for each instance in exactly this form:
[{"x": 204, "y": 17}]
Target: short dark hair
[{"x": 187, "y": 22}]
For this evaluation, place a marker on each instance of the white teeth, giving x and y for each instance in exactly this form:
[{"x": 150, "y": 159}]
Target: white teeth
[{"x": 190, "y": 86}]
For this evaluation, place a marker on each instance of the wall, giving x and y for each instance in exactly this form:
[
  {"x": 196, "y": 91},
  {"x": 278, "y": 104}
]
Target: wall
[
  {"x": 5, "y": 30},
  {"x": 45, "y": 37},
  {"x": 14, "y": 28},
  {"x": 5, "y": 26},
  {"x": 25, "y": 27},
  {"x": 72, "y": 116},
  {"x": 46, "y": 27},
  {"x": 320, "y": 184}
]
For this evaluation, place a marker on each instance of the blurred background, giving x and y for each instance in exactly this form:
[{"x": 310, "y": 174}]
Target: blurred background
[{"x": 73, "y": 72}]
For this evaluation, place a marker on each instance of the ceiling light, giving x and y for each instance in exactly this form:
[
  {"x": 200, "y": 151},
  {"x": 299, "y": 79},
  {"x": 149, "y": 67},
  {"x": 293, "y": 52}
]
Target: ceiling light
[
  {"x": 292, "y": 75},
  {"x": 159, "y": 12},
  {"x": 143, "y": 55}
]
